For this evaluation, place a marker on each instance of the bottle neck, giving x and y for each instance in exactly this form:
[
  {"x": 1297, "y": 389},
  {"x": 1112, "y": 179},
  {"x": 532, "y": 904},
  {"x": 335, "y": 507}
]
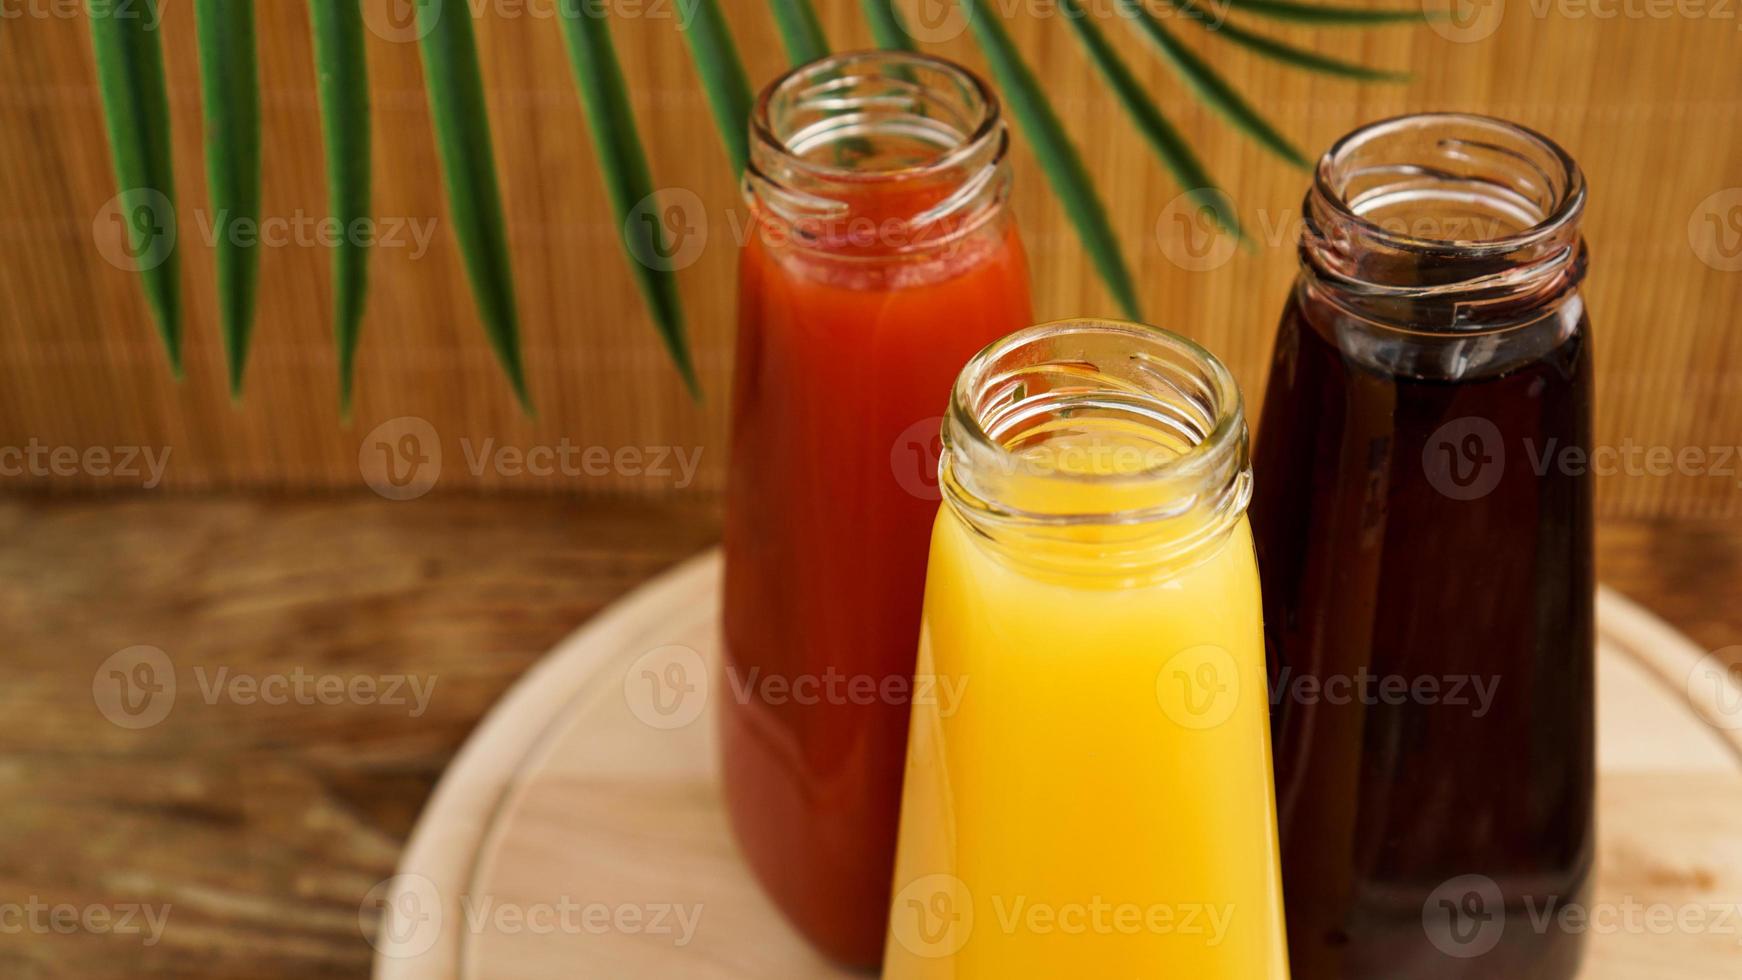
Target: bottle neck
[
  {"x": 877, "y": 156},
  {"x": 1101, "y": 451},
  {"x": 1444, "y": 223}
]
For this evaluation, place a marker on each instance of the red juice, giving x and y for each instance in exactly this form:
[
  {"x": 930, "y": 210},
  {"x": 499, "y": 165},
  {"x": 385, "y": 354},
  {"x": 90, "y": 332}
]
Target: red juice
[{"x": 854, "y": 320}]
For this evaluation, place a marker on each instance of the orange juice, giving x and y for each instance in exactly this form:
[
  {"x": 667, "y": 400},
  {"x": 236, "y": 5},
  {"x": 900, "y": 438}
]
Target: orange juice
[{"x": 1093, "y": 798}]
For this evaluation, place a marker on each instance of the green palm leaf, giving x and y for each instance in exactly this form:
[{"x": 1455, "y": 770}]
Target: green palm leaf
[
  {"x": 231, "y": 83},
  {"x": 624, "y": 163},
  {"x": 131, "y": 78},
  {"x": 1057, "y": 155},
  {"x": 1329, "y": 15},
  {"x": 462, "y": 128},
  {"x": 343, "y": 71},
  {"x": 800, "y": 31},
  {"x": 1285, "y": 53},
  {"x": 129, "y": 59},
  {"x": 1210, "y": 86},
  {"x": 1167, "y": 142},
  {"x": 723, "y": 78}
]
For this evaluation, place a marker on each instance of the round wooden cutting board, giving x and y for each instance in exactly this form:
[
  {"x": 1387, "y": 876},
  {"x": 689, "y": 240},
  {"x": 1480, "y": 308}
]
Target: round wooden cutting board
[{"x": 579, "y": 833}]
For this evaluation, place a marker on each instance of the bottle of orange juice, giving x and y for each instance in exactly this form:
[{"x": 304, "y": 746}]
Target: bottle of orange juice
[{"x": 1088, "y": 786}]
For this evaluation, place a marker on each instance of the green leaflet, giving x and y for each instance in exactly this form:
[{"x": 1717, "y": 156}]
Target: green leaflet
[
  {"x": 230, "y": 80},
  {"x": 1331, "y": 15},
  {"x": 800, "y": 30},
  {"x": 886, "y": 25},
  {"x": 343, "y": 71},
  {"x": 1286, "y": 53},
  {"x": 462, "y": 128},
  {"x": 1209, "y": 86},
  {"x": 1167, "y": 142},
  {"x": 136, "y": 107},
  {"x": 623, "y": 164},
  {"x": 723, "y": 79},
  {"x": 1057, "y": 155}
]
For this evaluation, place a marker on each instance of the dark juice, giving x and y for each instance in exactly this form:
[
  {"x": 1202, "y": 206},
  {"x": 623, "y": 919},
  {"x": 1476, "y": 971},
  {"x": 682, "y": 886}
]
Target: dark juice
[{"x": 1425, "y": 543}]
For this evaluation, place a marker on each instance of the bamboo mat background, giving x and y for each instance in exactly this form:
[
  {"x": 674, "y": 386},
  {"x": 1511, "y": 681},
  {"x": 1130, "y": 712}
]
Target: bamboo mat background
[{"x": 1647, "y": 96}]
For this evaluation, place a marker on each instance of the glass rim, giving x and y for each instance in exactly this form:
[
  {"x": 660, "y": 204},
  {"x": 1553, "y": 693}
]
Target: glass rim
[
  {"x": 1569, "y": 204},
  {"x": 990, "y": 125},
  {"x": 1227, "y": 430}
]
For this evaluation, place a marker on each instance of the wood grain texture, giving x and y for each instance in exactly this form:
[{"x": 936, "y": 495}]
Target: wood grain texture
[
  {"x": 584, "y": 786},
  {"x": 264, "y": 827},
  {"x": 1649, "y": 104},
  {"x": 261, "y": 826}
]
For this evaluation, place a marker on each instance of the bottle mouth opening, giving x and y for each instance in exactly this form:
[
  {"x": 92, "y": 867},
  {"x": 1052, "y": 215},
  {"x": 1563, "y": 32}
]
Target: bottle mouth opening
[
  {"x": 1090, "y": 421},
  {"x": 1456, "y": 184},
  {"x": 877, "y": 154},
  {"x": 877, "y": 115}
]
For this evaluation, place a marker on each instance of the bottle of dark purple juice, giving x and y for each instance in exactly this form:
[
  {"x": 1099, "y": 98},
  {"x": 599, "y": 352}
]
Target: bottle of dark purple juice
[{"x": 1423, "y": 521}]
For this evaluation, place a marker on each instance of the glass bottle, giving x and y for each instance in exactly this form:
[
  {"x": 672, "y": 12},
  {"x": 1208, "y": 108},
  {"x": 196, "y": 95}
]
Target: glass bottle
[
  {"x": 1423, "y": 519},
  {"x": 1088, "y": 783},
  {"x": 880, "y": 257}
]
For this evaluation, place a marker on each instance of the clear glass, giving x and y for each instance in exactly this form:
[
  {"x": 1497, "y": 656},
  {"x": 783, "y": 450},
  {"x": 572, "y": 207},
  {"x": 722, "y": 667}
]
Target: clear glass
[
  {"x": 1425, "y": 535},
  {"x": 1088, "y": 781},
  {"x": 881, "y": 257}
]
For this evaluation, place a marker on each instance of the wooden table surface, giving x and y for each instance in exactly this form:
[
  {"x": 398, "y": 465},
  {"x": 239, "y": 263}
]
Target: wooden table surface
[{"x": 253, "y": 832}]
